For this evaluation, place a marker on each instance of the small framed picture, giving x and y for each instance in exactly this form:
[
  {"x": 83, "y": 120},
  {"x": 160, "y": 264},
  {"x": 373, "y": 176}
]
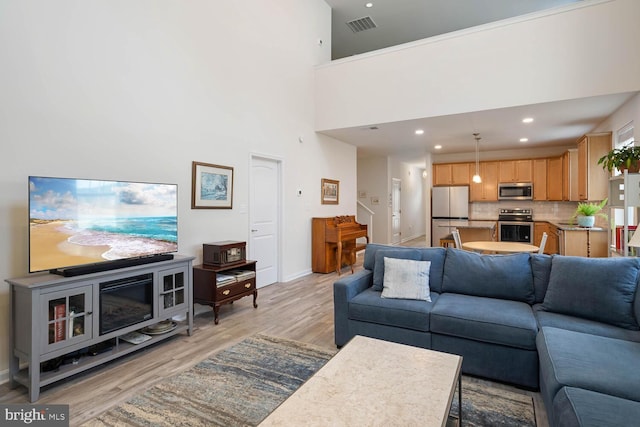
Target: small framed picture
[
  {"x": 211, "y": 186},
  {"x": 362, "y": 194},
  {"x": 330, "y": 191}
]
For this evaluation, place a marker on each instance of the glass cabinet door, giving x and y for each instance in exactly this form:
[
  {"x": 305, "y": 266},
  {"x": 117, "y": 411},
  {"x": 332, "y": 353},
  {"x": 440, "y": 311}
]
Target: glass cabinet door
[
  {"x": 173, "y": 290},
  {"x": 68, "y": 316}
]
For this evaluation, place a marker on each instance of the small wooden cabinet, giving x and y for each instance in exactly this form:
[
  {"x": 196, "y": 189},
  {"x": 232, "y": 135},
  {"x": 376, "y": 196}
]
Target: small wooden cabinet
[
  {"x": 540, "y": 179},
  {"x": 585, "y": 243},
  {"x": 487, "y": 190},
  {"x": 515, "y": 171},
  {"x": 593, "y": 180},
  {"x": 451, "y": 174},
  {"x": 554, "y": 179},
  {"x": 215, "y": 286},
  {"x": 551, "y": 247}
]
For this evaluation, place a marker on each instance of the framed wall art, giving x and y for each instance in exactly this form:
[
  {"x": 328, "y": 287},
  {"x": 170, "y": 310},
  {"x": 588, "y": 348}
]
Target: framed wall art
[
  {"x": 211, "y": 186},
  {"x": 330, "y": 191}
]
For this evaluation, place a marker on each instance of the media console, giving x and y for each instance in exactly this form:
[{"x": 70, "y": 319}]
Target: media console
[{"x": 84, "y": 318}]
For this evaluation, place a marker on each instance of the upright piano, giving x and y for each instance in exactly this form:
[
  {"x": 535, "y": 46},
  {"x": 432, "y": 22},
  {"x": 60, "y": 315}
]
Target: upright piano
[{"x": 333, "y": 242}]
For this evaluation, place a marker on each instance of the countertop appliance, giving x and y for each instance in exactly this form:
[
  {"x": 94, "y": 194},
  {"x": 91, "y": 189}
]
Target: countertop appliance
[
  {"x": 447, "y": 204},
  {"x": 515, "y": 225},
  {"x": 515, "y": 191}
]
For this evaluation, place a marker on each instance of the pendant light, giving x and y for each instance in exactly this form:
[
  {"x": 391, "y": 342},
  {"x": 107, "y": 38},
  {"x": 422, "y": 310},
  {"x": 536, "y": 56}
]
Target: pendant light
[{"x": 476, "y": 178}]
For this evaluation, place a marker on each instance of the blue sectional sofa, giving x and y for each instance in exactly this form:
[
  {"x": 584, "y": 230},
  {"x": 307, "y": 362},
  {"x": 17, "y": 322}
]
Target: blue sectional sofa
[{"x": 565, "y": 325}]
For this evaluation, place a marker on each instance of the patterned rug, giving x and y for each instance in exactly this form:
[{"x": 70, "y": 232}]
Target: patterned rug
[
  {"x": 492, "y": 406},
  {"x": 241, "y": 385}
]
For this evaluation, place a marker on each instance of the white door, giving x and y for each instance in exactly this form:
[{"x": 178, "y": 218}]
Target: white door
[
  {"x": 264, "y": 219},
  {"x": 396, "y": 234}
]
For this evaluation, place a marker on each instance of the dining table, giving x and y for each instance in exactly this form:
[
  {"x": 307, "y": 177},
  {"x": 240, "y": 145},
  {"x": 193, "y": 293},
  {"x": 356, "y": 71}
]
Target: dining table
[{"x": 499, "y": 247}]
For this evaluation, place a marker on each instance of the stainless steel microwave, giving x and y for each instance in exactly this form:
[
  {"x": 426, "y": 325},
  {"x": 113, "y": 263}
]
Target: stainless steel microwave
[{"x": 515, "y": 191}]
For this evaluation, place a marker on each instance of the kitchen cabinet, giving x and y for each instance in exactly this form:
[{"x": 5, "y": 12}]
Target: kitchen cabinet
[
  {"x": 540, "y": 179},
  {"x": 554, "y": 178},
  {"x": 585, "y": 243},
  {"x": 592, "y": 178},
  {"x": 570, "y": 175},
  {"x": 551, "y": 247},
  {"x": 515, "y": 171},
  {"x": 487, "y": 190},
  {"x": 451, "y": 174}
]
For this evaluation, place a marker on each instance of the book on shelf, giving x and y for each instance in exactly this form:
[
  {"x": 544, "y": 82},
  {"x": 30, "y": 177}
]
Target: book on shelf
[{"x": 59, "y": 312}]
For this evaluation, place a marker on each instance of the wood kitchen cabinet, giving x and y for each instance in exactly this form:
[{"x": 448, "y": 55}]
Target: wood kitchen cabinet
[
  {"x": 515, "y": 171},
  {"x": 451, "y": 174},
  {"x": 540, "y": 179},
  {"x": 570, "y": 175},
  {"x": 554, "y": 178},
  {"x": 593, "y": 180},
  {"x": 585, "y": 243},
  {"x": 487, "y": 190},
  {"x": 551, "y": 247}
]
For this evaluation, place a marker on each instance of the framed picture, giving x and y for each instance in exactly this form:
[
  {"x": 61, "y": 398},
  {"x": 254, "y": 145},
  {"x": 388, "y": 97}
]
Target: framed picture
[
  {"x": 211, "y": 186},
  {"x": 330, "y": 191}
]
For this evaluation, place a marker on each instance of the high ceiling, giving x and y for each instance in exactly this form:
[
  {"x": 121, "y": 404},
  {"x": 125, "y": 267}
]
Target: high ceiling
[{"x": 401, "y": 21}]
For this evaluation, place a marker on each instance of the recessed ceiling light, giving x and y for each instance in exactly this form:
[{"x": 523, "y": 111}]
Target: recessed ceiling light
[
  {"x": 419, "y": 131},
  {"x": 437, "y": 147},
  {"x": 524, "y": 139},
  {"x": 368, "y": 5},
  {"x": 527, "y": 120}
]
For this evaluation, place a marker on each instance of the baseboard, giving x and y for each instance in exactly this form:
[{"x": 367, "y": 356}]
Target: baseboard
[
  {"x": 4, "y": 376},
  {"x": 297, "y": 275},
  {"x": 406, "y": 239}
]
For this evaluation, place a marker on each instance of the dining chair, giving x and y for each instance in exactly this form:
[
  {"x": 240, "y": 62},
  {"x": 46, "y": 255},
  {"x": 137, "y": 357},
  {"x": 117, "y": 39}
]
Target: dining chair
[
  {"x": 543, "y": 242},
  {"x": 456, "y": 238}
]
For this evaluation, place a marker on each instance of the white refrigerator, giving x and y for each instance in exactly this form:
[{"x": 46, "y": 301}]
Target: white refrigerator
[{"x": 448, "y": 204}]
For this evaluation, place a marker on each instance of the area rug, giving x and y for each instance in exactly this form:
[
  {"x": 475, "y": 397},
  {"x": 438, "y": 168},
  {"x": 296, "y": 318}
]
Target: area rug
[
  {"x": 243, "y": 384},
  {"x": 493, "y": 406}
]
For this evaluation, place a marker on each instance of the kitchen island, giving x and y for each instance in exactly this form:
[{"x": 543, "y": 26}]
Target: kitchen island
[
  {"x": 580, "y": 241},
  {"x": 473, "y": 230}
]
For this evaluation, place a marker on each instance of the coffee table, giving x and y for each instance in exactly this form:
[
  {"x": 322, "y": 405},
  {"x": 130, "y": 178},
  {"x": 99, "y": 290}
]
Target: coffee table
[{"x": 374, "y": 382}]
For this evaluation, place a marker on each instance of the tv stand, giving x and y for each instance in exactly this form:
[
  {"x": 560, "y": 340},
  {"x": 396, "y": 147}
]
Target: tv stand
[
  {"x": 109, "y": 265},
  {"x": 53, "y": 317}
]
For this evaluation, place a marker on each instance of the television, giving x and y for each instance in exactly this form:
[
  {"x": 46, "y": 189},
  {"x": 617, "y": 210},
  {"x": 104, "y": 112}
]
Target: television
[{"x": 77, "y": 226}]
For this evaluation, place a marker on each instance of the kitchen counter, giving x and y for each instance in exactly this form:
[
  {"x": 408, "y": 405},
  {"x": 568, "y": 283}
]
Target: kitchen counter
[
  {"x": 473, "y": 224},
  {"x": 567, "y": 226}
]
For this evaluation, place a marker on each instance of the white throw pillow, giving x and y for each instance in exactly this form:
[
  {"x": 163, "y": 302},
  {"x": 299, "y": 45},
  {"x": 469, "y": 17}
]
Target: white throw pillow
[{"x": 406, "y": 279}]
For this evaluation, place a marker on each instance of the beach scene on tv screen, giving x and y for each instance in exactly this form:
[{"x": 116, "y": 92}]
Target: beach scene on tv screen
[{"x": 75, "y": 222}]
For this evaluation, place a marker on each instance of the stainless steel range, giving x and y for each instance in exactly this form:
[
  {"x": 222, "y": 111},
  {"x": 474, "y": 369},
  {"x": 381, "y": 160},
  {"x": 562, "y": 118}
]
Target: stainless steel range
[{"x": 515, "y": 225}]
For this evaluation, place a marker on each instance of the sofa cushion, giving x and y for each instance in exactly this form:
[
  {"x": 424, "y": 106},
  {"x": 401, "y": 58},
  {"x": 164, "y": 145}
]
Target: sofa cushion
[
  {"x": 601, "y": 289},
  {"x": 541, "y": 269},
  {"x": 579, "y": 324},
  {"x": 398, "y": 253},
  {"x": 368, "y": 306},
  {"x": 576, "y": 407},
  {"x": 435, "y": 255},
  {"x": 493, "y": 276},
  {"x": 406, "y": 279},
  {"x": 504, "y": 322},
  {"x": 575, "y": 359}
]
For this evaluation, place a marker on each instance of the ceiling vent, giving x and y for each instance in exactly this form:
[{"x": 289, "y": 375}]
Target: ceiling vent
[{"x": 361, "y": 24}]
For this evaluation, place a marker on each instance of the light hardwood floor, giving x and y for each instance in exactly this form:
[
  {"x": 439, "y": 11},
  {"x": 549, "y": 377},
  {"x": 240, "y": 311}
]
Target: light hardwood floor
[{"x": 301, "y": 310}]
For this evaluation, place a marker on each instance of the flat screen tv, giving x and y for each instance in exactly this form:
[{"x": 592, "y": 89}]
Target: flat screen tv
[{"x": 86, "y": 224}]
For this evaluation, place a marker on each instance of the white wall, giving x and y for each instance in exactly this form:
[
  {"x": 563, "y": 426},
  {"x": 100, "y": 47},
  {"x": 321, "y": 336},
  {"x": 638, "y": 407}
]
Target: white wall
[
  {"x": 588, "y": 49},
  {"x": 115, "y": 89},
  {"x": 373, "y": 179},
  {"x": 629, "y": 112}
]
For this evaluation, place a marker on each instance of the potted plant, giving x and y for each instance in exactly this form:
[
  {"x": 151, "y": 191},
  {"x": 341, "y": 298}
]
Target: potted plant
[
  {"x": 586, "y": 213},
  {"x": 627, "y": 157}
]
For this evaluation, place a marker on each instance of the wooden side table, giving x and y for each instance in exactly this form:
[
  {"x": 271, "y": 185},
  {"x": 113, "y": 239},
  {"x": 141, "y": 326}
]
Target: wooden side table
[{"x": 208, "y": 291}]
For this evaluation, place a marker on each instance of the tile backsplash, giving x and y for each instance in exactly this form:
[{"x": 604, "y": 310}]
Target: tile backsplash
[{"x": 542, "y": 211}]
